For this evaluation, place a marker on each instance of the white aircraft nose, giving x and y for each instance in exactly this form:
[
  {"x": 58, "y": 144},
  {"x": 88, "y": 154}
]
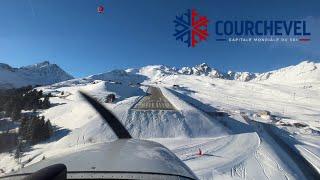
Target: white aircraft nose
[{"x": 123, "y": 159}]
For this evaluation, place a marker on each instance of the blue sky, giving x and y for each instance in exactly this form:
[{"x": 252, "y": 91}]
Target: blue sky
[{"x": 133, "y": 33}]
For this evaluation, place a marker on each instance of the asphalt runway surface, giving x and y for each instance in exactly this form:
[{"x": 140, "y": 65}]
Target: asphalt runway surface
[{"x": 154, "y": 100}]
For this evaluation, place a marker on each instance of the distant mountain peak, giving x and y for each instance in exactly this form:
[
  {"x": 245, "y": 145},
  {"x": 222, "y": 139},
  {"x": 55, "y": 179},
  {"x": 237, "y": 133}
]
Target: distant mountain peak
[
  {"x": 5, "y": 66},
  {"x": 39, "y": 65},
  {"x": 44, "y": 63},
  {"x": 42, "y": 73}
]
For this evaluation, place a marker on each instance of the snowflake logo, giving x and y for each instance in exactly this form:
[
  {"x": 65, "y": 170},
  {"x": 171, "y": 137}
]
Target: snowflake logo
[{"x": 191, "y": 28}]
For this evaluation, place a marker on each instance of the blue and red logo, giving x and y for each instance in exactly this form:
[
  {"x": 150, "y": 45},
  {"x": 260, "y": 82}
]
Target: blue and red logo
[{"x": 191, "y": 28}]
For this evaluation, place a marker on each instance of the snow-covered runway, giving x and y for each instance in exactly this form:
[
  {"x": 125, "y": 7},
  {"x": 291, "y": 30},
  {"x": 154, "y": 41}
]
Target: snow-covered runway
[{"x": 154, "y": 100}]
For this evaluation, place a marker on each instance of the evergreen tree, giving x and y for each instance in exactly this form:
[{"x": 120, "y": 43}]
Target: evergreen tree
[
  {"x": 23, "y": 130},
  {"x": 46, "y": 103},
  {"x": 18, "y": 152},
  {"x": 37, "y": 129},
  {"x": 48, "y": 129},
  {"x": 40, "y": 94},
  {"x": 8, "y": 108},
  {"x": 16, "y": 109}
]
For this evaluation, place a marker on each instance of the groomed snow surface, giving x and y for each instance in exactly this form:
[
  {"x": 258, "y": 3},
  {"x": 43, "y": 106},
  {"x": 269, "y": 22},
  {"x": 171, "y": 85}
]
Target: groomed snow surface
[{"x": 233, "y": 148}]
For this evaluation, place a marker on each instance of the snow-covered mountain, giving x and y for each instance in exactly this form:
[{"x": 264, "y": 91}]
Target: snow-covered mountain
[
  {"x": 42, "y": 73},
  {"x": 45, "y": 73},
  {"x": 305, "y": 71}
]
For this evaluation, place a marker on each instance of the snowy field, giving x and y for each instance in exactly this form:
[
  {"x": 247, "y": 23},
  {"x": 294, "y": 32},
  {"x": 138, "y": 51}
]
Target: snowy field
[{"x": 233, "y": 148}]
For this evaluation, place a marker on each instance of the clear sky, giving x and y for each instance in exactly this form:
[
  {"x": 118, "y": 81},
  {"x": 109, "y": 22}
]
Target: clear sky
[{"x": 134, "y": 33}]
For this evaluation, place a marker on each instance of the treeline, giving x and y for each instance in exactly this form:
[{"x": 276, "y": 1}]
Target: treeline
[
  {"x": 35, "y": 129},
  {"x": 12, "y": 101}
]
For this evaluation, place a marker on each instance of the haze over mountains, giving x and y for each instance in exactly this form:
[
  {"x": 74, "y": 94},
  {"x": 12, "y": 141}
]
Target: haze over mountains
[{"x": 45, "y": 73}]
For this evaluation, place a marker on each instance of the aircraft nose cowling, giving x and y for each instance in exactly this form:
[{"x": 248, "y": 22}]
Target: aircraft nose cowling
[{"x": 123, "y": 159}]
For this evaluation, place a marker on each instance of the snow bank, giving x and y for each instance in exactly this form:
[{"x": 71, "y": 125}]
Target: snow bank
[{"x": 199, "y": 123}]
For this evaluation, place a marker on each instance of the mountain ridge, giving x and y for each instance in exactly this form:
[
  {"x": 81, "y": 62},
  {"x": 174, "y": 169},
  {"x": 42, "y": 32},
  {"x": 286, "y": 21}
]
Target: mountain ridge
[
  {"x": 42, "y": 73},
  {"x": 304, "y": 71},
  {"x": 45, "y": 73}
]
